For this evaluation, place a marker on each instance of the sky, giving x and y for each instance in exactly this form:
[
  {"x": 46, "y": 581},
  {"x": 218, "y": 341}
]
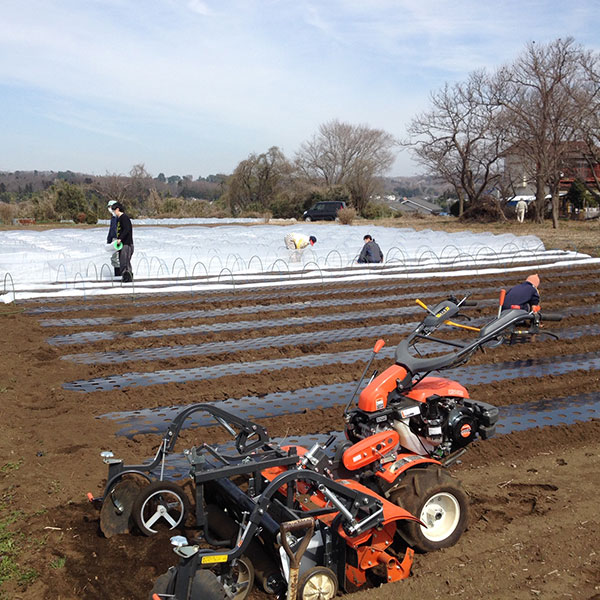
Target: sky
[{"x": 192, "y": 87}]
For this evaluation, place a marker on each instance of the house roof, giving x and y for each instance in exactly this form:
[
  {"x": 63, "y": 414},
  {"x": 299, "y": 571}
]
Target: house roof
[{"x": 415, "y": 205}]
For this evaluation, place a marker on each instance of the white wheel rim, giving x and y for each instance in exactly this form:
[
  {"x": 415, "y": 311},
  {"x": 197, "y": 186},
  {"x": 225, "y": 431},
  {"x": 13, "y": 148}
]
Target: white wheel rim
[
  {"x": 169, "y": 511},
  {"x": 441, "y": 514},
  {"x": 318, "y": 587}
]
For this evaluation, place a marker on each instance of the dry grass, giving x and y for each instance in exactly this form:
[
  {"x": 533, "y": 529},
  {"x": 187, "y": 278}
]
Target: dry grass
[{"x": 583, "y": 236}]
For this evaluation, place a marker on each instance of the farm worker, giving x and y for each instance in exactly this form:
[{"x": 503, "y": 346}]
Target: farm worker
[
  {"x": 521, "y": 210},
  {"x": 112, "y": 236},
  {"x": 524, "y": 295},
  {"x": 125, "y": 237},
  {"x": 297, "y": 242},
  {"x": 371, "y": 252}
]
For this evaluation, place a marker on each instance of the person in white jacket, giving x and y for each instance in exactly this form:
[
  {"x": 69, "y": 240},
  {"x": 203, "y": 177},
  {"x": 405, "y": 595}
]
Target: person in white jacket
[
  {"x": 521, "y": 210},
  {"x": 296, "y": 242}
]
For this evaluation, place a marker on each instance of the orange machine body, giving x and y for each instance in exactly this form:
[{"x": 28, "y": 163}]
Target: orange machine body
[{"x": 375, "y": 396}]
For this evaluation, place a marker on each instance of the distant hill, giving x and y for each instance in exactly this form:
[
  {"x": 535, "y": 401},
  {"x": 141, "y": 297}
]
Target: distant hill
[
  {"x": 24, "y": 183},
  {"x": 425, "y": 187}
]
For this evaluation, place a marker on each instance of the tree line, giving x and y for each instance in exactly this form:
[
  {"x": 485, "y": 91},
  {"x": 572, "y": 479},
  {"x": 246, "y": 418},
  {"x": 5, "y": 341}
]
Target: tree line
[
  {"x": 341, "y": 161},
  {"x": 483, "y": 137},
  {"x": 532, "y": 120}
]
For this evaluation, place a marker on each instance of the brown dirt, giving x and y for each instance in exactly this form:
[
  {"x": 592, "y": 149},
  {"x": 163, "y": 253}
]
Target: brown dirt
[{"x": 534, "y": 521}]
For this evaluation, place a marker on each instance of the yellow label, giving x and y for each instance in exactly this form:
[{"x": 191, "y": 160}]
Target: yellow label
[{"x": 216, "y": 558}]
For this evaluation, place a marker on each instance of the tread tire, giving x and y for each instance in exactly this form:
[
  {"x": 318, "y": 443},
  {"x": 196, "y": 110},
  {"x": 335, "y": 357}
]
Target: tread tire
[
  {"x": 446, "y": 498},
  {"x": 161, "y": 585},
  {"x": 206, "y": 586}
]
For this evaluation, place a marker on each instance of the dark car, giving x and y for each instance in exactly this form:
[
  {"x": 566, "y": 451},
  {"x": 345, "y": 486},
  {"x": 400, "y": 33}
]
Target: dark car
[{"x": 324, "y": 211}]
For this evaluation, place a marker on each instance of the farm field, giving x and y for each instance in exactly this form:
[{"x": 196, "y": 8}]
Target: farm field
[{"x": 534, "y": 526}]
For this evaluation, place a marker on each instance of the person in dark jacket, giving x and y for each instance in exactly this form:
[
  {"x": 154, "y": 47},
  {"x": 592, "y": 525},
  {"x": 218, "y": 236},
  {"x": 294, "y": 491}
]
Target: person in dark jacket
[
  {"x": 124, "y": 236},
  {"x": 524, "y": 295},
  {"x": 371, "y": 252},
  {"x": 112, "y": 236}
]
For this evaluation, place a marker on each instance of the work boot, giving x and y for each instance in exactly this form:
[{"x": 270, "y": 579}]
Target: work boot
[
  {"x": 127, "y": 277},
  {"x": 117, "y": 271}
]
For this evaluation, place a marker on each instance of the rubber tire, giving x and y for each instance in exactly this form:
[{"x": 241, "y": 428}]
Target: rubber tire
[
  {"x": 417, "y": 488},
  {"x": 206, "y": 586},
  {"x": 307, "y": 219},
  {"x": 161, "y": 585},
  {"x": 306, "y": 587},
  {"x": 248, "y": 568},
  {"x": 153, "y": 489}
]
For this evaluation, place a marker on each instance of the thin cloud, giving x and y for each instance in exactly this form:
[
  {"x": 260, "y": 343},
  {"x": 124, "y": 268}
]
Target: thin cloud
[
  {"x": 255, "y": 73},
  {"x": 199, "y": 7}
]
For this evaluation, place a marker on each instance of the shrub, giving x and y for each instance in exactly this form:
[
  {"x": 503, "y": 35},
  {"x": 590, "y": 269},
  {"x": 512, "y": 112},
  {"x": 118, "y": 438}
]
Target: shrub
[
  {"x": 284, "y": 207},
  {"x": 7, "y": 212},
  {"x": 41, "y": 208},
  {"x": 376, "y": 210},
  {"x": 486, "y": 210},
  {"x": 69, "y": 201},
  {"x": 346, "y": 215}
]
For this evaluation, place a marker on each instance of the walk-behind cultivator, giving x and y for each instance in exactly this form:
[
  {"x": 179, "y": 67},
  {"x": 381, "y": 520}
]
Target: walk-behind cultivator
[{"x": 305, "y": 522}]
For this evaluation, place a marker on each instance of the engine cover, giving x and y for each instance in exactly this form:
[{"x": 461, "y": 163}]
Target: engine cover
[{"x": 462, "y": 427}]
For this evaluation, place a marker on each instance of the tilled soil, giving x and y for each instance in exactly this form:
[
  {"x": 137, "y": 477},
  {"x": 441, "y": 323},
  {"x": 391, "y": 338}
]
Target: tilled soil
[{"x": 534, "y": 526}]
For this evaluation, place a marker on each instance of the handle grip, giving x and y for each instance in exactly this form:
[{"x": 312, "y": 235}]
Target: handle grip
[
  {"x": 306, "y": 524},
  {"x": 551, "y": 316}
]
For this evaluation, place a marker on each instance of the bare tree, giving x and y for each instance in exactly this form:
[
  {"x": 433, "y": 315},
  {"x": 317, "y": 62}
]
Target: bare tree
[
  {"x": 458, "y": 138},
  {"x": 112, "y": 187},
  {"x": 132, "y": 189},
  {"x": 341, "y": 154},
  {"x": 587, "y": 97},
  {"x": 257, "y": 181},
  {"x": 536, "y": 94}
]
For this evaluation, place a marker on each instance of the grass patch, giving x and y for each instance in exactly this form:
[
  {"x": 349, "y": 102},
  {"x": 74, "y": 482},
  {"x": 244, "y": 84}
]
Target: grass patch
[
  {"x": 28, "y": 577},
  {"x": 10, "y": 547},
  {"x": 9, "y": 467},
  {"x": 58, "y": 563}
]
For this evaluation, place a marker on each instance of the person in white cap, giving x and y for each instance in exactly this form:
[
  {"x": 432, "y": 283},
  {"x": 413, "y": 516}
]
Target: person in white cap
[
  {"x": 125, "y": 237},
  {"x": 112, "y": 236}
]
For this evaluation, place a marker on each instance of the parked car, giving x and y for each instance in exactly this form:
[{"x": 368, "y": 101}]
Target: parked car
[{"x": 323, "y": 211}]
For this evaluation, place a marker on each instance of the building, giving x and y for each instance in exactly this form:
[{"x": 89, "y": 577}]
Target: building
[{"x": 578, "y": 163}]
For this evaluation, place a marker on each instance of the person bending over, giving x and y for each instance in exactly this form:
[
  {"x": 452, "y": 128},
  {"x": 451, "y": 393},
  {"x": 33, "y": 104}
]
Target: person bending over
[{"x": 296, "y": 242}]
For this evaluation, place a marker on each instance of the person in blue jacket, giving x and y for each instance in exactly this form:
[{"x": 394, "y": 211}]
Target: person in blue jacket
[
  {"x": 112, "y": 236},
  {"x": 524, "y": 295},
  {"x": 371, "y": 252}
]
